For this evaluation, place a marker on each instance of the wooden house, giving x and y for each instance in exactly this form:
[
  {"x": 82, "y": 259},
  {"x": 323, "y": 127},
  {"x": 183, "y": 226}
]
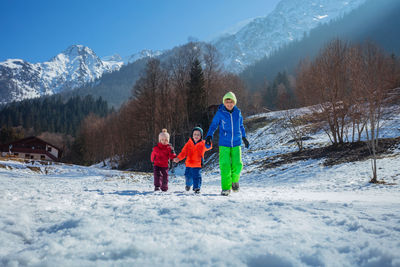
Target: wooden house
[{"x": 32, "y": 148}]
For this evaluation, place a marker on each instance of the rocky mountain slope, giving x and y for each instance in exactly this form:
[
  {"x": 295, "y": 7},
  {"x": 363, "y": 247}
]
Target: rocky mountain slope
[
  {"x": 290, "y": 20},
  {"x": 74, "y": 67}
]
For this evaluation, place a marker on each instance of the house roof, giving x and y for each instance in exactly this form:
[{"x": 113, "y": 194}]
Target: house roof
[{"x": 29, "y": 139}]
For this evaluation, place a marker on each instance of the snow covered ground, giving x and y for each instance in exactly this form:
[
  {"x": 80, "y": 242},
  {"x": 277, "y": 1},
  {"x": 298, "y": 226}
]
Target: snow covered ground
[{"x": 299, "y": 214}]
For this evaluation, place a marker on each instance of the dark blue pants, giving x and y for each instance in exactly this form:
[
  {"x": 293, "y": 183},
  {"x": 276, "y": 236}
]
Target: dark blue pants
[{"x": 193, "y": 177}]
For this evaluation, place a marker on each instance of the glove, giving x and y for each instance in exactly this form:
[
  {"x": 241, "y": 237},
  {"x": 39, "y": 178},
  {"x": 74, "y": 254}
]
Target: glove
[
  {"x": 208, "y": 141},
  {"x": 246, "y": 143}
]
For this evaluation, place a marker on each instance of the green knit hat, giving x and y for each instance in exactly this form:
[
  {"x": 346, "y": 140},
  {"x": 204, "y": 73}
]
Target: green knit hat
[{"x": 229, "y": 95}]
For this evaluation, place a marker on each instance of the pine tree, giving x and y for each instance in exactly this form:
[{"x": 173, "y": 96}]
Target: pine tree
[
  {"x": 50, "y": 114},
  {"x": 196, "y": 97}
]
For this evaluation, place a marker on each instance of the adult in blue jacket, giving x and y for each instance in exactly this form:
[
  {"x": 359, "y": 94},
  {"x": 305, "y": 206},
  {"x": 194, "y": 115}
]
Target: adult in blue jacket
[{"x": 231, "y": 133}]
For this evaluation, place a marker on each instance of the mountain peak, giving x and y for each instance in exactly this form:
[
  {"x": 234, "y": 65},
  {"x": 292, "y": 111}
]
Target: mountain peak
[
  {"x": 72, "y": 68},
  {"x": 287, "y": 22},
  {"x": 78, "y": 50}
]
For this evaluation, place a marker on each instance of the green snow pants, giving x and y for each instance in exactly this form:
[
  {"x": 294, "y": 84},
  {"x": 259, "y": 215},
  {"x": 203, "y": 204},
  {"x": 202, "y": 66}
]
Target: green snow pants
[{"x": 230, "y": 163}]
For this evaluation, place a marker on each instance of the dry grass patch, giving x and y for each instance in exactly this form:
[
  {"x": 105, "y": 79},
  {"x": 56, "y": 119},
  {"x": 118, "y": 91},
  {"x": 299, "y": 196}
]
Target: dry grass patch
[{"x": 34, "y": 169}]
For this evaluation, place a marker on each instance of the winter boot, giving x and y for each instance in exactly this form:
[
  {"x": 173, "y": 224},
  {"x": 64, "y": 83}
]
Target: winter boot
[
  {"x": 156, "y": 188},
  {"x": 225, "y": 192},
  {"x": 235, "y": 187},
  {"x": 197, "y": 190},
  {"x": 187, "y": 188}
]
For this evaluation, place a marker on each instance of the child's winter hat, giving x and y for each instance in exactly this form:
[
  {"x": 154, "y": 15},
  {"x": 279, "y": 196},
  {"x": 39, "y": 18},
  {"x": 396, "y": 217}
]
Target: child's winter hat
[
  {"x": 229, "y": 95},
  {"x": 198, "y": 129},
  {"x": 164, "y": 133}
]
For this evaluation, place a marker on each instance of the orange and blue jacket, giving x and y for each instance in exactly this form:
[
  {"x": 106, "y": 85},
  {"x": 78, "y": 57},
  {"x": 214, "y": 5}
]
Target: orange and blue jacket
[{"x": 194, "y": 153}]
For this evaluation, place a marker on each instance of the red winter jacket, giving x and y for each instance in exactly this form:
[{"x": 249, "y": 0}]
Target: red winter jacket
[{"x": 161, "y": 154}]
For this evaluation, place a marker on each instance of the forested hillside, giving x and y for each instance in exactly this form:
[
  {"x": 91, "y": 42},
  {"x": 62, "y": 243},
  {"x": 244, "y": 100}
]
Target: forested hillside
[
  {"x": 51, "y": 114},
  {"x": 375, "y": 21},
  {"x": 115, "y": 87}
]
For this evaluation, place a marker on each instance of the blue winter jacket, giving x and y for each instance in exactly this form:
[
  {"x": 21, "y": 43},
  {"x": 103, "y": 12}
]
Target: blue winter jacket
[{"x": 231, "y": 129}]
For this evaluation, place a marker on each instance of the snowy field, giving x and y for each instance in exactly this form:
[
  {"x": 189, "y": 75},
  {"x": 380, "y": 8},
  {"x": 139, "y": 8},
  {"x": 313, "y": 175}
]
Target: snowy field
[{"x": 299, "y": 214}]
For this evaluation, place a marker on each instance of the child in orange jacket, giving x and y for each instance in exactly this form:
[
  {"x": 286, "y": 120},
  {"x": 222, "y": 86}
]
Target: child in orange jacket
[{"x": 193, "y": 151}]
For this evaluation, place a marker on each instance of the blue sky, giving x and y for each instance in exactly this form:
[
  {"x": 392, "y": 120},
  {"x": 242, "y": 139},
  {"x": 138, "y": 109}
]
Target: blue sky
[{"x": 38, "y": 30}]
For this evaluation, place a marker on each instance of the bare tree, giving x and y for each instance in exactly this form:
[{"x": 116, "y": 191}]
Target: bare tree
[
  {"x": 358, "y": 116},
  {"x": 212, "y": 72},
  {"x": 255, "y": 103},
  {"x": 92, "y": 132},
  {"x": 377, "y": 82},
  {"x": 146, "y": 95},
  {"x": 296, "y": 126},
  {"x": 325, "y": 84}
]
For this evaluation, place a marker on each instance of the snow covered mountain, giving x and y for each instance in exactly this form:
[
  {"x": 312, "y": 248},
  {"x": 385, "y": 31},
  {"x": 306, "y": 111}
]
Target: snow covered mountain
[
  {"x": 142, "y": 54},
  {"x": 290, "y": 20},
  {"x": 74, "y": 67},
  {"x": 145, "y": 53}
]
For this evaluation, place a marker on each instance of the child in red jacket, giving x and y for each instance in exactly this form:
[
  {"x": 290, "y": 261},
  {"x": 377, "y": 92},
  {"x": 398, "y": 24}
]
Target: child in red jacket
[
  {"x": 193, "y": 151},
  {"x": 160, "y": 156}
]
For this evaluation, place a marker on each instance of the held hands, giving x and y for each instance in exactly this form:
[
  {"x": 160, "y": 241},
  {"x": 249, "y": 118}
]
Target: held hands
[
  {"x": 176, "y": 160},
  {"x": 246, "y": 143},
  {"x": 208, "y": 141}
]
